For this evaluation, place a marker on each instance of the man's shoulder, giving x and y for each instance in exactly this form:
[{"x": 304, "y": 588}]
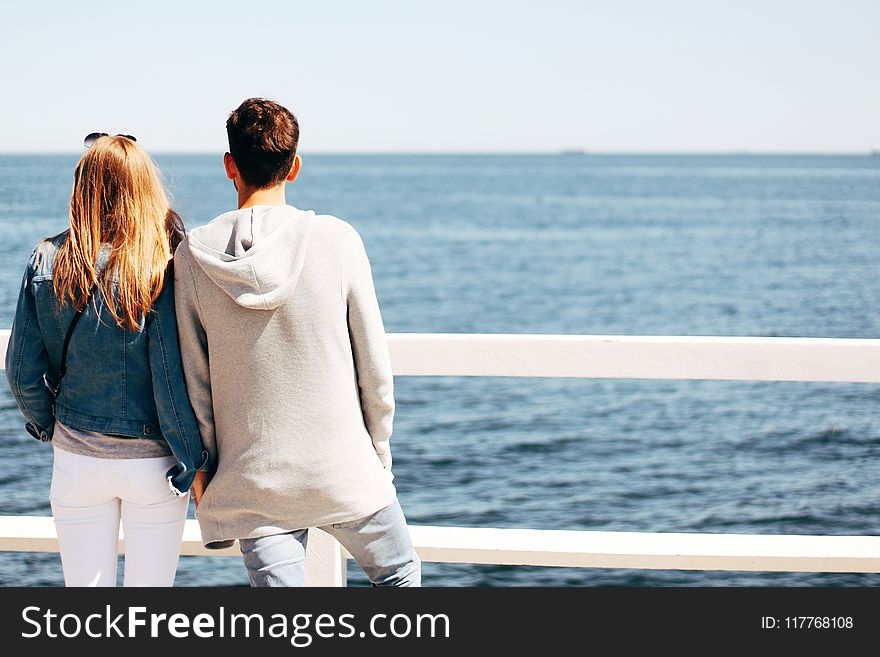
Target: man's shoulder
[
  {"x": 182, "y": 252},
  {"x": 343, "y": 235},
  {"x": 184, "y": 262},
  {"x": 332, "y": 224}
]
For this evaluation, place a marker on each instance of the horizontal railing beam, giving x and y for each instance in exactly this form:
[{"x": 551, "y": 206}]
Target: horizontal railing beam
[
  {"x": 37, "y": 534},
  {"x": 630, "y": 357},
  {"x": 637, "y": 357},
  {"x": 663, "y": 551},
  {"x": 579, "y": 549}
]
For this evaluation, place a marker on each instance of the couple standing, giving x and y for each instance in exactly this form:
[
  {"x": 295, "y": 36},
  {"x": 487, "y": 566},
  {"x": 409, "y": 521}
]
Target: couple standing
[{"x": 246, "y": 362}]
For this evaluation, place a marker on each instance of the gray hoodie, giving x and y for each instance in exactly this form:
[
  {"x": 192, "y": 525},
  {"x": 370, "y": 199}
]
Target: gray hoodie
[{"x": 287, "y": 369}]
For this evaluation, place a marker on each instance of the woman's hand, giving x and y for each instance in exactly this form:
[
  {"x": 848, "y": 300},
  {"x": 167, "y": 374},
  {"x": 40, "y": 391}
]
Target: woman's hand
[{"x": 200, "y": 483}]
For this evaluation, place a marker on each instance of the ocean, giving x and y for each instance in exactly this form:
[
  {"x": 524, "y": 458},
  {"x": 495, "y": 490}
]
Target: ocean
[{"x": 571, "y": 244}]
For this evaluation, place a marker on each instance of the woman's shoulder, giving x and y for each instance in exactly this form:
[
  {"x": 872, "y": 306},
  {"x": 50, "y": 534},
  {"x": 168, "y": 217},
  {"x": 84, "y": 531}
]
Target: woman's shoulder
[
  {"x": 44, "y": 252},
  {"x": 164, "y": 301}
]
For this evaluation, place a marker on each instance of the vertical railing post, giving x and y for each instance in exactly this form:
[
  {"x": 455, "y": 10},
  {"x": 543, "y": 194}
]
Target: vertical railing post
[{"x": 325, "y": 560}]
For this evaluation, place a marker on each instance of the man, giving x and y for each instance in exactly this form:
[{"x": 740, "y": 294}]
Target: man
[{"x": 288, "y": 371}]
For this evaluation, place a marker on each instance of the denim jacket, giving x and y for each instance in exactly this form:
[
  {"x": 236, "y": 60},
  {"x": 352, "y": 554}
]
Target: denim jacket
[{"x": 118, "y": 381}]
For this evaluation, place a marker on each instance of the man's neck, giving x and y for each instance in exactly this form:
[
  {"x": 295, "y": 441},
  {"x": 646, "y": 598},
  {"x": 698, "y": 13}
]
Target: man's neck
[{"x": 269, "y": 196}]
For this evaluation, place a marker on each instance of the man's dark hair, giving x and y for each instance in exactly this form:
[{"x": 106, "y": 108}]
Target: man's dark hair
[{"x": 262, "y": 140}]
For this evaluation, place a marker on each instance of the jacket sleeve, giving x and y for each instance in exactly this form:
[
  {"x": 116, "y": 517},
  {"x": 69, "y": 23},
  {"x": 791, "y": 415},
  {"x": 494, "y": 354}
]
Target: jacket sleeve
[
  {"x": 194, "y": 350},
  {"x": 369, "y": 347},
  {"x": 27, "y": 363},
  {"x": 176, "y": 417}
]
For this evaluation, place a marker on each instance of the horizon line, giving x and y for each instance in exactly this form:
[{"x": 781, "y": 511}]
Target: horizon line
[{"x": 574, "y": 152}]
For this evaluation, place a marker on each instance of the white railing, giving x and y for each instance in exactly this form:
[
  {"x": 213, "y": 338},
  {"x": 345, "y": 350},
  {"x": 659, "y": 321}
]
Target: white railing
[{"x": 639, "y": 357}]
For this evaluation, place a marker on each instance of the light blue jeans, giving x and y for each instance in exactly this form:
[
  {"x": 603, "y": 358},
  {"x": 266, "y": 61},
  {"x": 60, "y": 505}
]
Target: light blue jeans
[{"x": 380, "y": 543}]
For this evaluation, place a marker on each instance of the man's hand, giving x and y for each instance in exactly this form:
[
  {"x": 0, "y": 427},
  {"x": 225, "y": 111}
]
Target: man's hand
[{"x": 200, "y": 483}]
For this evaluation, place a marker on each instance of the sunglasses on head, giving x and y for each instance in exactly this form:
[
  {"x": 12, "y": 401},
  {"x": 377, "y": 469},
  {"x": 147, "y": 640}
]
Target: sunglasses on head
[{"x": 92, "y": 137}]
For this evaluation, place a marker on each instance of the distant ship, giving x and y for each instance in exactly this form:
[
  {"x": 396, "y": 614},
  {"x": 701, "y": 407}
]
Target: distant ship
[{"x": 573, "y": 151}]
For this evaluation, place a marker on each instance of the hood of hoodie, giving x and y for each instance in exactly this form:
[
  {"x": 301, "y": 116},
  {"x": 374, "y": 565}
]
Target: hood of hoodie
[{"x": 255, "y": 254}]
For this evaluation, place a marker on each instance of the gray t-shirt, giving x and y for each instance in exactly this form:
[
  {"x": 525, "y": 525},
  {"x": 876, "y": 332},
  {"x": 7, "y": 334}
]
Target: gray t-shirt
[{"x": 106, "y": 446}]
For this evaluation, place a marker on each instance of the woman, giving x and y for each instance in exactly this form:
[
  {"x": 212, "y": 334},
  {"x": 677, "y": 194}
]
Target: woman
[{"x": 94, "y": 365}]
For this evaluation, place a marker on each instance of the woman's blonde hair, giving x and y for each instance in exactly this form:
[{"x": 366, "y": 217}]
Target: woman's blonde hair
[{"x": 118, "y": 198}]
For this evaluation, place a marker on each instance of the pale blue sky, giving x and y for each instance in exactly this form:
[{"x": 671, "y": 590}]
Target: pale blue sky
[{"x": 618, "y": 75}]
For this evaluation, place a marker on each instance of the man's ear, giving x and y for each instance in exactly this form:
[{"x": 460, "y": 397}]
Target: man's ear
[
  {"x": 294, "y": 168},
  {"x": 229, "y": 164}
]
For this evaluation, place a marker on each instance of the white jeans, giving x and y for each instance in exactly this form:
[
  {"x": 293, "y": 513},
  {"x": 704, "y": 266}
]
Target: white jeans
[{"x": 89, "y": 495}]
